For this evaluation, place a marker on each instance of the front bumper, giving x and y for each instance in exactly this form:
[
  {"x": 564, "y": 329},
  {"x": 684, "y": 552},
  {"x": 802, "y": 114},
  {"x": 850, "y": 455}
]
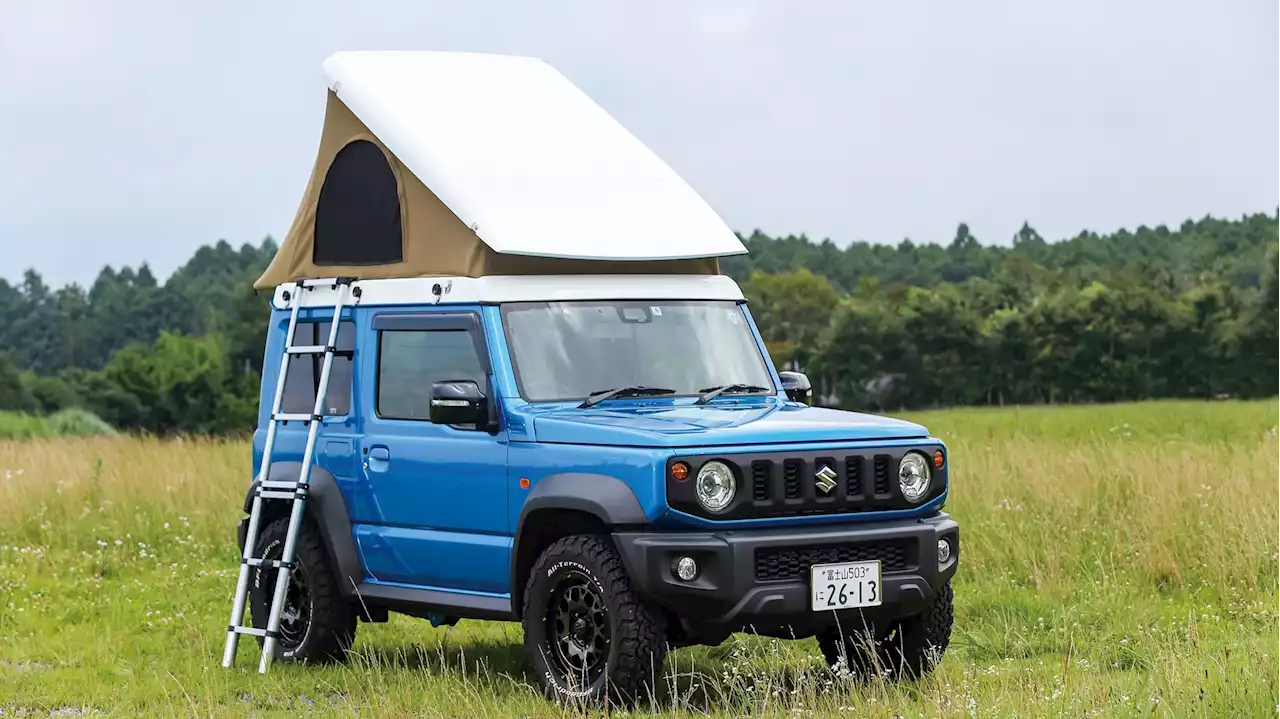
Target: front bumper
[{"x": 735, "y": 590}]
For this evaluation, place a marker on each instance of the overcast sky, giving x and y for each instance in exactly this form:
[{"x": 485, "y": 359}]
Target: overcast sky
[{"x": 136, "y": 131}]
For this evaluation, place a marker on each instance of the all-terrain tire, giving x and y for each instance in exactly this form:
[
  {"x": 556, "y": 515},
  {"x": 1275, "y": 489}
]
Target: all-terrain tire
[
  {"x": 637, "y": 632},
  {"x": 913, "y": 646},
  {"x": 325, "y": 625}
]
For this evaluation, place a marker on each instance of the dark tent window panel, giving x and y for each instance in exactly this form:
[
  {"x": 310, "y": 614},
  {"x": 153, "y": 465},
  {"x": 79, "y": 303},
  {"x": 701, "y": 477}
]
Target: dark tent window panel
[{"x": 358, "y": 213}]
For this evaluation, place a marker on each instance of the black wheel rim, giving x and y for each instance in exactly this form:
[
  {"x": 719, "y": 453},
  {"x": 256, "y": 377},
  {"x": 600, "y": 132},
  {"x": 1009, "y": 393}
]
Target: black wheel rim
[
  {"x": 578, "y": 628},
  {"x": 295, "y": 616}
]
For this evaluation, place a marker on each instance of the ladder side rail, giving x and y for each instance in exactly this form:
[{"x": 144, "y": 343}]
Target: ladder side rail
[
  {"x": 242, "y": 585},
  {"x": 255, "y": 512},
  {"x": 278, "y": 401},
  {"x": 304, "y": 479}
]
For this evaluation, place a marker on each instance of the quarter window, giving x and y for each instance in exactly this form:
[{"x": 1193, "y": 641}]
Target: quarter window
[
  {"x": 303, "y": 377},
  {"x": 409, "y": 361}
]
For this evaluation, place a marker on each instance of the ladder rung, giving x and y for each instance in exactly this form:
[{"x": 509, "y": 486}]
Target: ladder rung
[
  {"x": 295, "y": 417},
  {"x": 272, "y": 563},
  {"x": 295, "y": 494},
  {"x": 289, "y": 485},
  {"x": 307, "y": 349},
  {"x": 252, "y": 631}
]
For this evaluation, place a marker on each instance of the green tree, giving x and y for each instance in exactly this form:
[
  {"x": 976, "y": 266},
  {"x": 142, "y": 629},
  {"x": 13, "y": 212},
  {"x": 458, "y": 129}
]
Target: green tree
[
  {"x": 14, "y": 395},
  {"x": 51, "y": 393},
  {"x": 1258, "y": 340},
  {"x": 792, "y": 310},
  {"x": 856, "y": 364},
  {"x": 182, "y": 384}
]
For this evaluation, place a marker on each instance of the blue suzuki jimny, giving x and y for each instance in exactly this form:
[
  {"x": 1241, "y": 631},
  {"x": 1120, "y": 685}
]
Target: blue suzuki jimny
[
  {"x": 613, "y": 462},
  {"x": 542, "y": 402}
]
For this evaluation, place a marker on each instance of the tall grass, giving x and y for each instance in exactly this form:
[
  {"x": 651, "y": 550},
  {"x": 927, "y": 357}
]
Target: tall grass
[{"x": 1115, "y": 561}]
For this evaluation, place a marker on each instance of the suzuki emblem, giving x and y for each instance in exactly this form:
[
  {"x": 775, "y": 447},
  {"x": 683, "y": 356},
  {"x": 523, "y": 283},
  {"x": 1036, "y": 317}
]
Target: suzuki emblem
[{"x": 825, "y": 479}]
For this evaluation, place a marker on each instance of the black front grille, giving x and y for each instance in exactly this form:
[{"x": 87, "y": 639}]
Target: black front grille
[
  {"x": 882, "y": 474},
  {"x": 853, "y": 473},
  {"x": 790, "y": 564},
  {"x": 786, "y": 484},
  {"x": 791, "y": 475},
  {"x": 760, "y": 481}
]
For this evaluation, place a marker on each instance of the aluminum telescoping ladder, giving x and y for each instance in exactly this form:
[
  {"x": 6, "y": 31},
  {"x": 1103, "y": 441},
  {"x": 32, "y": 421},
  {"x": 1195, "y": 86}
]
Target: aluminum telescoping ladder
[{"x": 293, "y": 491}]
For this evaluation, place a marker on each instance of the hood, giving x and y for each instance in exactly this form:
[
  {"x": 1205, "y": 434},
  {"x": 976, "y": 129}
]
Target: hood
[{"x": 643, "y": 424}]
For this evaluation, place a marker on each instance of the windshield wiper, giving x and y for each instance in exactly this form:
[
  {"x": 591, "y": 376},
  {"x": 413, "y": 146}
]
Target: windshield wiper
[
  {"x": 710, "y": 393},
  {"x": 632, "y": 391}
]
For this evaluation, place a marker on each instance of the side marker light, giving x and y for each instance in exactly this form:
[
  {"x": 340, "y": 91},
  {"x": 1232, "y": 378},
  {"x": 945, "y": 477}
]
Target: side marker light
[{"x": 679, "y": 471}]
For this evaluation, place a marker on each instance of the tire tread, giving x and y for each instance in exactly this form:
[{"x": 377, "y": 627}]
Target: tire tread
[{"x": 641, "y": 630}]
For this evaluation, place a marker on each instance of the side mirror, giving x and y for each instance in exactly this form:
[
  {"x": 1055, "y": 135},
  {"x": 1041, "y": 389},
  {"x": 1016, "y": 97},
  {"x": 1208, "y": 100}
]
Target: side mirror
[
  {"x": 458, "y": 401},
  {"x": 797, "y": 387}
]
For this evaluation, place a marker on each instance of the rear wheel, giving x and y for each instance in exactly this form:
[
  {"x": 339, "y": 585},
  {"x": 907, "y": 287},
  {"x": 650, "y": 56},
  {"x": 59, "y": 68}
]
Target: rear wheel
[
  {"x": 913, "y": 646},
  {"x": 587, "y": 634},
  {"x": 316, "y": 624}
]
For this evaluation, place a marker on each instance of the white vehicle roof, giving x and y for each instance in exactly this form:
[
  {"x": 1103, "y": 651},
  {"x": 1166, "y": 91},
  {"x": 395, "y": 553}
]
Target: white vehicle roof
[{"x": 523, "y": 288}]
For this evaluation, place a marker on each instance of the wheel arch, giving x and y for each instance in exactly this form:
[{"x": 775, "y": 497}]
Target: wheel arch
[
  {"x": 327, "y": 509},
  {"x": 563, "y": 505}
]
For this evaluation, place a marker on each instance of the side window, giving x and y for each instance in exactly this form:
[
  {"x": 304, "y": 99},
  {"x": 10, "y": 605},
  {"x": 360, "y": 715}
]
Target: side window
[
  {"x": 303, "y": 378},
  {"x": 409, "y": 361}
]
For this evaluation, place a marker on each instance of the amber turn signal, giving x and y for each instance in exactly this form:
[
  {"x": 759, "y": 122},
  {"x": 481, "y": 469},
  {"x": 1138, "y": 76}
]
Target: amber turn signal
[
  {"x": 679, "y": 471},
  {"x": 937, "y": 459}
]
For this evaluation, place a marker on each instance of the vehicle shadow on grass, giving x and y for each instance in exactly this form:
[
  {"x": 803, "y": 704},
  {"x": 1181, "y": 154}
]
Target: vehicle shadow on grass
[
  {"x": 498, "y": 656},
  {"x": 696, "y": 680}
]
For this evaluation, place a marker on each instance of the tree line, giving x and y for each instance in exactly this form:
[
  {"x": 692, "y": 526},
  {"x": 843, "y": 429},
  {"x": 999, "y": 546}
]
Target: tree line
[
  {"x": 1153, "y": 313},
  {"x": 1156, "y": 312},
  {"x": 180, "y": 356}
]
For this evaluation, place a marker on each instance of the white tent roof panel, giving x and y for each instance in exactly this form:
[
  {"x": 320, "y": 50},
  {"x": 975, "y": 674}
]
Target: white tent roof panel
[{"x": 525, "y": 158}]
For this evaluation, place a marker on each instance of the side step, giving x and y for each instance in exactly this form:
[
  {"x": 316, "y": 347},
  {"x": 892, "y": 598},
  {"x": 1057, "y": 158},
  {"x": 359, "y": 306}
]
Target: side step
[{"x": 424, "y": 602}]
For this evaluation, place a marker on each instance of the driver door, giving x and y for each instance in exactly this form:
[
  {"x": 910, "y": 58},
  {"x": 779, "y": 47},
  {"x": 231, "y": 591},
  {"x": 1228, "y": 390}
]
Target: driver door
[{"x": 437, "y": 509}]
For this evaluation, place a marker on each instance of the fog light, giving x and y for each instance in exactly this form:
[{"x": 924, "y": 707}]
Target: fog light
[
  {"x": 944, "y": 551},
  {"x": 687, "y": 569}
]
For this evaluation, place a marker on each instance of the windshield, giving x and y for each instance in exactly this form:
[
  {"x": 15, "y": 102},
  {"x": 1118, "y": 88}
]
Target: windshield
[{"x": 568, "y": 350}]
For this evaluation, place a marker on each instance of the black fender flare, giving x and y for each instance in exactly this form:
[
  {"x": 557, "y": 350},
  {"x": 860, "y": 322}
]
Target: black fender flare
[
  {"x": 327, "y": 508},
  {"x": 606, "y": 498}
]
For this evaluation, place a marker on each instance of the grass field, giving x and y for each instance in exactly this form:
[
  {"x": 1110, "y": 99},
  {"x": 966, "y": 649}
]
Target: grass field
[{"x": 1117, "y": 561}]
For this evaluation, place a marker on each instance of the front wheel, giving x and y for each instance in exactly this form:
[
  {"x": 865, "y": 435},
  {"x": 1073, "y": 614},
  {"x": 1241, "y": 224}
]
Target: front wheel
[
  {"x": 587, "y": 634},
  {"x": 913, "y": 646}
]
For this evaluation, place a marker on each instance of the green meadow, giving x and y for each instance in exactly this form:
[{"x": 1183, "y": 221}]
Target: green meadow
[{"x": 1117, "y": 560}]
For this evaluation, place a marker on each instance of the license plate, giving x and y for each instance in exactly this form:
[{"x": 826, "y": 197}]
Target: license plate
[{"x": 845, "y": 586}]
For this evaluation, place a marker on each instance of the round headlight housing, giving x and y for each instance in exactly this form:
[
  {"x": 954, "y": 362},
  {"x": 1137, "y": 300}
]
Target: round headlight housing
[
  {"x": 913, "y": 476},
  {"x": 715, "y": 486}
]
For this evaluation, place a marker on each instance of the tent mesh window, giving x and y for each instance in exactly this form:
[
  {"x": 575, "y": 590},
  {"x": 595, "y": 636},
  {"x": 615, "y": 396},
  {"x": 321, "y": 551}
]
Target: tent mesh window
[{"x": 358, "y": 212}]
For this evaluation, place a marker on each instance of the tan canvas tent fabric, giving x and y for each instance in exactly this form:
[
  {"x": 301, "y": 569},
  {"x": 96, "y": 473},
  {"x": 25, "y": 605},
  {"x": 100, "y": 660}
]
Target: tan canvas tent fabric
[{"x": 433, "y": 241}]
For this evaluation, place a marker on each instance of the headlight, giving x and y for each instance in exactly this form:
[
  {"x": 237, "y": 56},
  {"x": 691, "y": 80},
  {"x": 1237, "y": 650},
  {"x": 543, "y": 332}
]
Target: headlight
[
  {"x": 913, "y": 476},
  {"x": 715, "y": 486}
]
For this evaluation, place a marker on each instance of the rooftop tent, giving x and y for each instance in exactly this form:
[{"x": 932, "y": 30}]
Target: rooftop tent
[{"x": 462, "y": 164}]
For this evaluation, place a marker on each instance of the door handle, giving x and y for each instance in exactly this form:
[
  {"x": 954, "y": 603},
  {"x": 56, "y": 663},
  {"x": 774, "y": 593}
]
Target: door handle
[{"x": 379, "y": 459}]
